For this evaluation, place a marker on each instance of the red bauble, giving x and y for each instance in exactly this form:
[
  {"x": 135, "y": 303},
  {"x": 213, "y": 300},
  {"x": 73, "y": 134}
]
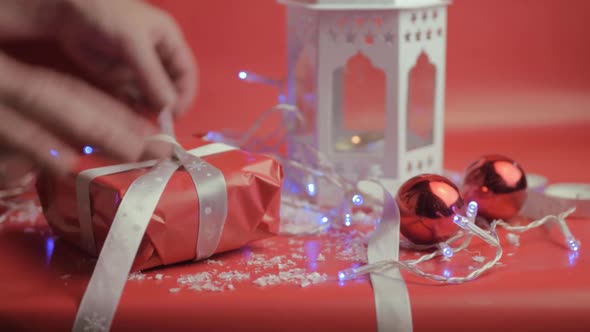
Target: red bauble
[
  {"x": 427, "y": 205},
  {"x": 498, "y": 185}
]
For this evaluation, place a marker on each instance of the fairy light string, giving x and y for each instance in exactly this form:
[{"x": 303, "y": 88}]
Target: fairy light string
[{"x": 321, "y": 167}]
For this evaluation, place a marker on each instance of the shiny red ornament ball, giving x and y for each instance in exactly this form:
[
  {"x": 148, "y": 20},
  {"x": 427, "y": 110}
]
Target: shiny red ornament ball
[
  {"x": 498, "y": 184},
  {"x": 427, "y": 205}
]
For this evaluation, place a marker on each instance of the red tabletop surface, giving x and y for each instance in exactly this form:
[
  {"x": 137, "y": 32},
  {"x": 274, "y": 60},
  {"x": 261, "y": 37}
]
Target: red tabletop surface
[
  {"x": 540, "y": 285},
  {"x": 512, "y": 65}
]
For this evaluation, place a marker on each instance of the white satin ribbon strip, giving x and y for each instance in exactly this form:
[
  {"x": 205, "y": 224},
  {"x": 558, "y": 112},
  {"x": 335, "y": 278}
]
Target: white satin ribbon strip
[
  {"x": 392, "y": 300},
  {"x": 104, "y": 290},
  {"x": 99, "y": 303},
  {"x": 210, "y": 185},
  {"x": 86, "y": 177}
]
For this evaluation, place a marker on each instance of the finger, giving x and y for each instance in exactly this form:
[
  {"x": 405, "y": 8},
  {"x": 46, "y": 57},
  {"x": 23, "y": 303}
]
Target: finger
[
  {"x": 31, "y": 139},
  {"x": 107, "y": 72},
  {"x": 181, "y": 66},
  {"x": 75, "y": 110},
  {"x": 153, "y": 80}
]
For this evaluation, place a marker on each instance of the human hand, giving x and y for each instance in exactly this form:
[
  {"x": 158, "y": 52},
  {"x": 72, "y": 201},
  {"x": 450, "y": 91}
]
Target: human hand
[
  {"x": 131, "y": 48},
  {"x": 48, "y": 116}
]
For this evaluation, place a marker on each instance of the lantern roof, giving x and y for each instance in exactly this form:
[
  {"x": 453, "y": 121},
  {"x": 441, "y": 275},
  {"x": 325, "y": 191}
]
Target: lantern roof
[{"x": 363, "y": 4}]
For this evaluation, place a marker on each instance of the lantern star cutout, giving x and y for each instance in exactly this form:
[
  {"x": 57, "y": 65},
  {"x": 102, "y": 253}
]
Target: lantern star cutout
[
  {"x": 370, "y": 38},
  {"x": 333, "y": 34},
  {"x": 350, "y": 37},
  {"x": 388, "y": 37}
]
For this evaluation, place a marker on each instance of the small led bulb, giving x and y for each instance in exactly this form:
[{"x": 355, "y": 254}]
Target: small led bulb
[
  {"x": 461, "y": 221},
  {"x": 88, "y": 149},
  {"x": 446, "y": 250},
  {"x": 471, "y": 210},
  {"x": 573, "y": 244},
  {"x": 347, "y": 219},
  {"x": 347, "y": 274},
  {"x": 324, "y": 220},
  {"x": 358, "y": 200},
  {"x": 311, "y": 189}
]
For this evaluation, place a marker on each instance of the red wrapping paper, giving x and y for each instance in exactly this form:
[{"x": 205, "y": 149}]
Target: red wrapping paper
[{"x": 253, "y": 192}]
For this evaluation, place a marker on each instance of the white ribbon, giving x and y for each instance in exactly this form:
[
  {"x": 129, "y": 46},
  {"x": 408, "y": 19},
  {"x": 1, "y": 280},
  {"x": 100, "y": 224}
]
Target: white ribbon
[
  {"x": 99, "y": 303},
  {"x": 392, "y": 301}
]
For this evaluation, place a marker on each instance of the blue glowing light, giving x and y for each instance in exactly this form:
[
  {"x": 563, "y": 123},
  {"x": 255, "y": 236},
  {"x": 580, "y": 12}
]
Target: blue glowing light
[
  {"x": 243, "y": 75},
  {"x": 447, "y": 273},
  {"x": 472, "y": 209},
  {"x": 573, "y": 244},
  {"x": 572, "y": 258},
  {"x": 88, "y": 149},
  {"x": 311, "y": 189},
  {"x": 341, "y": 276},
  {"x": 447, "y": 252},
  {"x": 53, "y": 152},
  {"x": 347, "y": 219},
  {"x": 49, "y": 246},
  {"x": 358, "y": 200},
  {"x": 324, "y": 219}
]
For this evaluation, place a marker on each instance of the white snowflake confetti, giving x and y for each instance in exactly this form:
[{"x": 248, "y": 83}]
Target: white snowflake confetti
[
  {"x": 207, "y": 286},
  {"x": 136, "y": 276},
  {"x": 294, "y": 276},
  {"x": 233, "y": 276},
  {"x": 194, "y": 278},
  {"x": 478, "y": 258},
  {"x": 159, "y": 276},
  {"x": 214, "y": 262},
  {"x": 297, "y": 256},
  {"x": 513, "y": 239},
  {"x": 267, "y": 280}
]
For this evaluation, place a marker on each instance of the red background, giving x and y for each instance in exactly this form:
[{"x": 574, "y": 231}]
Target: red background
[{"x": 509, "y": 62}]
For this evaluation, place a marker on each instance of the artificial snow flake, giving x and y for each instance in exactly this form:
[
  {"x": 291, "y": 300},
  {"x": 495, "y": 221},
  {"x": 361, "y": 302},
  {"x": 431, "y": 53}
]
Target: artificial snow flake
[
  {"x": 159, "y": 276},
  {"x": 513, "y": 239},
  {"x": 174, "y": 290},
  {"x": 294, "y": 276},
  {"x": 214, "y": 262},
  {"x": 478, "y": 258},
  {"x": 233, "y": 276},
  {"x": 296, "y": 256},
  {"x": 136, "y": 276},
  {"x": 194, "y": 278},
  {"x": 267, "y": 280},
  {"x": 207, "y": 286}
]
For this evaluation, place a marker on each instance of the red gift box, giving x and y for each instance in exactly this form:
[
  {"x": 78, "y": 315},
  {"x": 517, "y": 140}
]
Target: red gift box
[{"x": 253, "y": 193}]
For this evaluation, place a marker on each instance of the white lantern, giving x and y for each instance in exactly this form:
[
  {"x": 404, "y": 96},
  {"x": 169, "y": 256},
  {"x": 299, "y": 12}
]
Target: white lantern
[{"x": 369, "y": 78}]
